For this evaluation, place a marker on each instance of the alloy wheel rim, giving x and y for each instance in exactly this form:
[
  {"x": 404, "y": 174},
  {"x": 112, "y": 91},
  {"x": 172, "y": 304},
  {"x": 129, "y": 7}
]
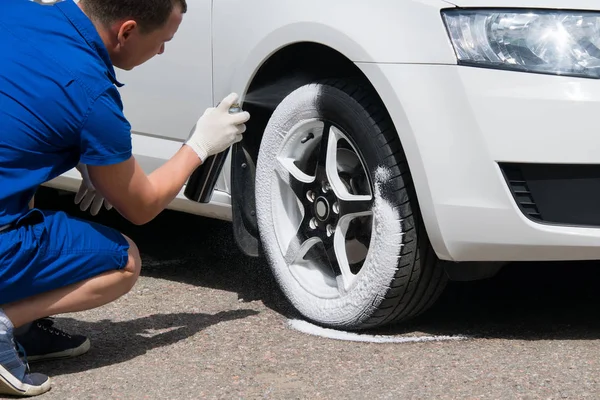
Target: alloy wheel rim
[{"x": 323, "y": 209}]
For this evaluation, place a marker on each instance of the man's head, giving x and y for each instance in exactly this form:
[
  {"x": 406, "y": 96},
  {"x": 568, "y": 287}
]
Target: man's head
[{"x": 134, "y": 31}]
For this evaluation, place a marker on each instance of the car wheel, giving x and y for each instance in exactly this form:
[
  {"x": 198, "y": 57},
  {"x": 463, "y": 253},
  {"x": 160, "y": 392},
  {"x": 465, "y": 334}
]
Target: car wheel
[{"x": 337, "y": 215}]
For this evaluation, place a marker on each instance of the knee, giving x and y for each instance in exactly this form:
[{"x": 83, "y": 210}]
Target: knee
[{"x": 134, "y": 263}]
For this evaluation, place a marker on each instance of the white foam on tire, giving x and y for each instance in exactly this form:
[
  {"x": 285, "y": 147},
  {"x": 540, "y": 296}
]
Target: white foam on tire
[{"x": 381, "y": 264}]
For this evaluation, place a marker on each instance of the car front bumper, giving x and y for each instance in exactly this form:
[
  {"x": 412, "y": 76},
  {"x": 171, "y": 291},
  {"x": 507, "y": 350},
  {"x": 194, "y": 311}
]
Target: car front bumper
[{"x": 460, "y": 125}]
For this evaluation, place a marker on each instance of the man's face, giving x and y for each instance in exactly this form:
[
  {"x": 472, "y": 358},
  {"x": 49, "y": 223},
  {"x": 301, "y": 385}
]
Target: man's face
[{"x": 135, "y": 47}]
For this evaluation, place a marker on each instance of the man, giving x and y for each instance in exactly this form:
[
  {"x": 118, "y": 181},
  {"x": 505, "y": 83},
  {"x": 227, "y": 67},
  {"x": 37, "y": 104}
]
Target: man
[{"x": 60, "y": 108}]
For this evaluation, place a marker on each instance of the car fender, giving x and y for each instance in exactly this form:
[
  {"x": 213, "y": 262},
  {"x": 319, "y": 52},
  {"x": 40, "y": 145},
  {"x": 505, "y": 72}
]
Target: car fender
[{"x": 246, "y": 33}]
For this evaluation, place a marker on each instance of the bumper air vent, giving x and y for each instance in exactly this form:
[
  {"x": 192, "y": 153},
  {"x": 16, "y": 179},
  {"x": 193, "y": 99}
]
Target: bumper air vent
[
  {"x": 558, "y": 194},
  {"x": 521, "y": 192}
]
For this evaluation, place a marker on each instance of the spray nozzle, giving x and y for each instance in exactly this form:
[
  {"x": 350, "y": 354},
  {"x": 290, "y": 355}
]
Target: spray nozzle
[{"x": 235, "y": 108}]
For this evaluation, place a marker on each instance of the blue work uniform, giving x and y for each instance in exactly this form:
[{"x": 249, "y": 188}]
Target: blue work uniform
[{"x": 59, "y": 105}]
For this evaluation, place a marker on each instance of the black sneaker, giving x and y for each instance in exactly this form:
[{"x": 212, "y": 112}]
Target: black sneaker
[{"x": 44, "y": 342}]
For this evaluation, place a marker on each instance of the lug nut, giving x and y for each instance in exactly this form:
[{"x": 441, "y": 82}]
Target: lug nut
[
  {"x": 336, "y": 208},
  {"x": 310, "y": 195},
  {"x": 313, "y": 224},
  {"x": 326, "y": 187},
  {"x": 330, "y": 230}
]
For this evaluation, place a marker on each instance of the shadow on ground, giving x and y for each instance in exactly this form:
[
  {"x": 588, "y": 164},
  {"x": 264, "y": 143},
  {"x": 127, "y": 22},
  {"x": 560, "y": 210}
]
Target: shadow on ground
[
  {"x": 527, "y": 301},
  {"x": 117, "y": 342}
]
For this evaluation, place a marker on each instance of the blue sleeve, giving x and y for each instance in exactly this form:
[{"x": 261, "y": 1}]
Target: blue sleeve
[{"x": 106, "y": 133}]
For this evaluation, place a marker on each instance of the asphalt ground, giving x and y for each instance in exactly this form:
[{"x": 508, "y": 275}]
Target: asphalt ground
[{"x": 206, "y": 322}]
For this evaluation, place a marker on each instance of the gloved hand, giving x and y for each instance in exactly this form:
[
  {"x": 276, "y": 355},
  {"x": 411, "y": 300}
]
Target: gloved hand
[
  {"x": 217, "y": 129},
  {"x": 87, "y": 192}
]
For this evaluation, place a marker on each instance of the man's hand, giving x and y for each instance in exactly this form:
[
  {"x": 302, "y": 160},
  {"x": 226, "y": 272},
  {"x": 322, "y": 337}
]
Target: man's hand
[
  {"x": 139, "y": 197},
  {"x": 217, "y": 129},
  {"x": 87, "y": 192}
]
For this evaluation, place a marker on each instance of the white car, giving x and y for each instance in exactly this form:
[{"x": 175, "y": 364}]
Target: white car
[{"x": 393, "y": 144}]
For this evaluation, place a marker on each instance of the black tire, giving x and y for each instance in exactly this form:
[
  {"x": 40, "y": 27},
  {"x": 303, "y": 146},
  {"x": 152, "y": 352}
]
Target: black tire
[{"x": 400, "y": 289}]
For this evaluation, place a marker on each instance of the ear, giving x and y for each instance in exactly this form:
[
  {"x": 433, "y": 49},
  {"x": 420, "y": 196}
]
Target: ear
[{"x": 126, "y": 29}]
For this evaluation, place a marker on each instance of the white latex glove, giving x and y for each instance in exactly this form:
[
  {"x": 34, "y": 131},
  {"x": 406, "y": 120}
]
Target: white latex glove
[
  {"x": 217, "y": 129},
  {"x": 87, "y": 192}
]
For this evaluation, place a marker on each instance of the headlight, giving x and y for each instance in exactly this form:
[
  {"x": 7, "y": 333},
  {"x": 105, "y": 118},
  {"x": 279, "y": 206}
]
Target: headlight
[{"x": 553, "y": 42}]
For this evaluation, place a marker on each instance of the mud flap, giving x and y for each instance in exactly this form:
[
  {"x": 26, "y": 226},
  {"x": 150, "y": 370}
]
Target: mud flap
[{"x": 243, "y": 203}]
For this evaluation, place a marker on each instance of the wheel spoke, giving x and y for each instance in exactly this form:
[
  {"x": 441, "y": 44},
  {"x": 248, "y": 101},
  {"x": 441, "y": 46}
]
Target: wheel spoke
[
  {"x": 331, "y": 168},
  {"x": 338, "y": 256},
  {"x": 356, "y": 205},
  {"x": 336, "y": 268},
  {"x": 297, "y": 180},
  {"x": 299, "y": 143},
  {"x": 328, "y": 158},
  {"x": 297, "y": 249},
  {"x": 286, "y": 166}
]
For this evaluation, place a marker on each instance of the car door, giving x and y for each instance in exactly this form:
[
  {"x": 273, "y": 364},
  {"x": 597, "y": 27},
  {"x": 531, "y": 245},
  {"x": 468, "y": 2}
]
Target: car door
[{"x": 164, "y": 97}]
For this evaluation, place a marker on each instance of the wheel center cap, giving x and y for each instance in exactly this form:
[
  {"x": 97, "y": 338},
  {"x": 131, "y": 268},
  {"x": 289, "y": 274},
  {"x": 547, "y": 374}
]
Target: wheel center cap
[{"x": 322, "y": 208}]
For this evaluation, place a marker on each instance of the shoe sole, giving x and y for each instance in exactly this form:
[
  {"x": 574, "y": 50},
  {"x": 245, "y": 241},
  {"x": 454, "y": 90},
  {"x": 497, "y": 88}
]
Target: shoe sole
[
  {"x": 82, "y": 349},
  {"x": 12, "y": 386}
]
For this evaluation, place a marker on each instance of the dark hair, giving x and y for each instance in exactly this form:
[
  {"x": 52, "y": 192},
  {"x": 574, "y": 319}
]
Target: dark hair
[{"x": 149, "y": 14}]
